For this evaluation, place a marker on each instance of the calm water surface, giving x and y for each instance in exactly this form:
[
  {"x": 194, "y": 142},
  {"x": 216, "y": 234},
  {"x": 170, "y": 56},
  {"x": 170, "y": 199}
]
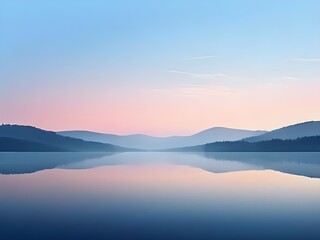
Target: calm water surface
[{"x": 159, "y": 196}]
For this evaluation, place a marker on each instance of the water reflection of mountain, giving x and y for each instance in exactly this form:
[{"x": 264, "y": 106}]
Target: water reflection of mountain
[
  {"x": 29, "y": 162},
  {"x": 297, "y": 163},
  {"x": 304, "y": 164}
]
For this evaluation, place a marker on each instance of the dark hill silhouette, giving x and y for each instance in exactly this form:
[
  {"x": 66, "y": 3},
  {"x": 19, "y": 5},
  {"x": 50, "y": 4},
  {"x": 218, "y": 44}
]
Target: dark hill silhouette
[
  {"x": 306, "y": 129},
  {"x": 305, "y": 144},
  {"x": 18, "y": 145},
  {"x": 36, "y": 136}
]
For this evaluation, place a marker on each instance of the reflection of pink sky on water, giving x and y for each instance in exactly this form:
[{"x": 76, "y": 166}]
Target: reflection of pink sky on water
[{"x": 163, "y": 181}]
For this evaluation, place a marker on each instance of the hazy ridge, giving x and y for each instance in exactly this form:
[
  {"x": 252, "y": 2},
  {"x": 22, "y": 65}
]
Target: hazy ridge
[{"x": 155, "y": 143}]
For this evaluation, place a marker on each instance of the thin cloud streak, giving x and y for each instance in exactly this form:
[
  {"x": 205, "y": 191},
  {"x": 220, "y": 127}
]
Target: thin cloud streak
[
  {"x": 206, "y": 90},
  {"x": 198, "y": 90},
  {"x": 202, "y": 57},
  {"x": 203, "y": 75},
  {"x": 290, "y": 78}
]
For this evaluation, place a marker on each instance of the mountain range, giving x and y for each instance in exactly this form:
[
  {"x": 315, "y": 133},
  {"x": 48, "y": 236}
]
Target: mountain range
[
  {"x": 301, "y": 137},
  {"x": 155, "y": 143},
  {"x": 304, "y": 144},
  {"x": 25, "y": 138},
  {"x": 298, "y": 137},
  {"x": 306, "y": 129}
]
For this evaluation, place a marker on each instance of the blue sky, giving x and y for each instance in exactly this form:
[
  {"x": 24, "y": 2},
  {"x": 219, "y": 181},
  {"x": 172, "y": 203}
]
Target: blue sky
[{"x": 72, "y": 47}]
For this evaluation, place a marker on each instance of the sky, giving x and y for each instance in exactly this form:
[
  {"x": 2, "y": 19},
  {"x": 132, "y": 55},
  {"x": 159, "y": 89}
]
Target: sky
[{"x": 159, "y": 67}]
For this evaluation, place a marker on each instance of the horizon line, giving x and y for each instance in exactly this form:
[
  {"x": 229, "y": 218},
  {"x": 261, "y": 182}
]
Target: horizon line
[{"x": 158, "y": 136}]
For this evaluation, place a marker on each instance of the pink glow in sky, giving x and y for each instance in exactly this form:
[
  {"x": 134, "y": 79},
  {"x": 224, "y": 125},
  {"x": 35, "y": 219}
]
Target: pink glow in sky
[
  {"x": 165, "y": 112},
  {"x": 159, "y": 68}
]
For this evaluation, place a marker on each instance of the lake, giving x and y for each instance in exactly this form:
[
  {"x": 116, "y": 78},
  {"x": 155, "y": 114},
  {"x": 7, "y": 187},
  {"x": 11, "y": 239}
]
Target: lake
[{"x": 150, "y": 195}]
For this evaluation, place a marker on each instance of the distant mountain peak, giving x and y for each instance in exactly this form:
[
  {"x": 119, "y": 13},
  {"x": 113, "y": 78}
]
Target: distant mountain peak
[
  {"x": 304, "y": 129},
  {"x": 37, "y": 138},
  {"x": 152, "y": 143},
  {"x": 229, "y": 129}
]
